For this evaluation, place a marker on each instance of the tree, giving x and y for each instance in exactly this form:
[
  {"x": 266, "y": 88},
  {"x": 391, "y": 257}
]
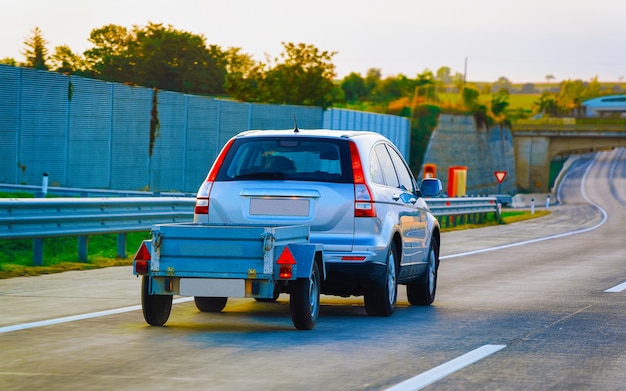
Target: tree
[
  {"x": 459, "y": 81},
  {"x": 549, "y": 78},
  {"x": 243, "y": 75},
  {"x": 425, "y": 86},
  {"x": 303, "y": 75},
  {"x": 8, "y": 61},
  {"x": 35, "y": 52},
  {"x": 169, "y": 59},
  {"x": 65, "y": 61},
  {"x": 548, "y": 104},
  {"x": 157, "y": 56},
  {"x": 107, "y": 59},
  {"x": 443, "y": 78},
  {"x": 502, "y": 84},
  {"x": 354, "y": 87},
  {"x": 499, "y": 103}
]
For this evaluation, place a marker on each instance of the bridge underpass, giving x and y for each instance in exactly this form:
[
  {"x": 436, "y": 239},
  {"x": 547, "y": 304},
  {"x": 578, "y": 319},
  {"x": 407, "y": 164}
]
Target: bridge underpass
[{"x": 537, "y": 145}]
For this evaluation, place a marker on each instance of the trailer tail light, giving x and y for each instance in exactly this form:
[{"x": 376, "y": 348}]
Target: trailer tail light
[
  {"x": 286, "y": 262},
  {"x": 142, "y": 260},
  {"x": 363, "y": 202},
  {"x": 202, "y": 198}
]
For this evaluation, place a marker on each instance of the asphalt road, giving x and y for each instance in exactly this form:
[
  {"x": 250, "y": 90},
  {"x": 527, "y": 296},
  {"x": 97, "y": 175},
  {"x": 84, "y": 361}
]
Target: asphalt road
[{"x": 537, "y": 305}]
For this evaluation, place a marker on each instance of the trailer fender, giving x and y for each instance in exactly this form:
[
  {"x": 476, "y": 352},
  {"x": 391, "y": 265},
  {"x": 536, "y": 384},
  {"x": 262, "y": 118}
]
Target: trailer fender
[{"x": 305, "y": 254}]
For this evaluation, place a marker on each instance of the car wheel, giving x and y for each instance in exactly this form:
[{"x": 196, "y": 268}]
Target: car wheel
[
  {"x": 381, "y": 301},
  {"x": 156, "y": 308},
  {"x": 210, "y": 304},
  {"x": 422, "y": 292},
  {"x": 304, "y": 301}
]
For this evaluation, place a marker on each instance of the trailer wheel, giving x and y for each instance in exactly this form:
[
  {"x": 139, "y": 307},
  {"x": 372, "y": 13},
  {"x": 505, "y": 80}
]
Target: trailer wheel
[
  {"x": 156, "y": 308},
  {"x": 304, "y": 301},
  {"x": 210, "y": 304}
]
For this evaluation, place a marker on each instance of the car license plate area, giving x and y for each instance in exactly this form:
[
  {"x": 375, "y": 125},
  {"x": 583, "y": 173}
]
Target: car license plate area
[
  {"x": 279, "y": 207},
  {"x": 213, "y": 287}
]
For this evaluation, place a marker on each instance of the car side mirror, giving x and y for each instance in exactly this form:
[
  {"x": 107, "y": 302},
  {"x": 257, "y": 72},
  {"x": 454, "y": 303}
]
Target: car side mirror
[{"x": 430, "y": 187}]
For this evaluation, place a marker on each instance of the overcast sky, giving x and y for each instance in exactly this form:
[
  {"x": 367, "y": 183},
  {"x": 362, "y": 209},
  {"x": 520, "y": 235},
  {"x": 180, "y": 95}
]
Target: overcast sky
[{"x": 523, "y": 40}]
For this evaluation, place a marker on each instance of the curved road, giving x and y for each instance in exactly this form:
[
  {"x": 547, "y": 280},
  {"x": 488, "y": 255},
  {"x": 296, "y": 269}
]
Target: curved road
[{"x": 534, "y": 305}]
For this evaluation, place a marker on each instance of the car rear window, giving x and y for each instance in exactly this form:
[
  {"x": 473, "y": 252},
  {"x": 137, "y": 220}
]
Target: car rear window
[{"x": 287, "y": 158}]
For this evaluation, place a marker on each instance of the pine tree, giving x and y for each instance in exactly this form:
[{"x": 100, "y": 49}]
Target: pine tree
[{"x": 36, "y": 53}]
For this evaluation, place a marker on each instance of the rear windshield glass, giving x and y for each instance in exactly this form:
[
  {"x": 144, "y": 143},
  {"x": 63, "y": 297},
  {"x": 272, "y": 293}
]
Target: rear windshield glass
[{"x": 280, "y": 158}]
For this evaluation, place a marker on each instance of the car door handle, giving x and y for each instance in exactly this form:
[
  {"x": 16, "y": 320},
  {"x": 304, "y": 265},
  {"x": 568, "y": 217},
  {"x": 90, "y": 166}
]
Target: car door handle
[{"x": 395, "y": 197}]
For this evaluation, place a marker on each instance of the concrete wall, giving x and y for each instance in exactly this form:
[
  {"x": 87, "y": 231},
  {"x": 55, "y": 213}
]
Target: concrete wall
[{"x": 457, "y": 142}]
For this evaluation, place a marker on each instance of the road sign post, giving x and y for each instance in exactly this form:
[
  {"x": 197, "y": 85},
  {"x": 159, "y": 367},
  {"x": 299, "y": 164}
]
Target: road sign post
[{"x": 500, "y": 175}]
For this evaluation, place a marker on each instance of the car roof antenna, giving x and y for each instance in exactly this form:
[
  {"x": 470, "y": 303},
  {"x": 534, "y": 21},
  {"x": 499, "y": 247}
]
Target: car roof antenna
[{"x": 295, "y": 124}]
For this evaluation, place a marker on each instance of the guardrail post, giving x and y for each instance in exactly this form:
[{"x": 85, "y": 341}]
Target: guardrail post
[
  {"x": 121, "y": 245},
  {"x": 82, "y": 248},
  {"x": 38, "y": 252}
]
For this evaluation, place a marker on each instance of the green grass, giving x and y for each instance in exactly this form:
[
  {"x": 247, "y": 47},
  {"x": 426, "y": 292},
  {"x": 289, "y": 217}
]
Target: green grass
[
  {"x": 61, "y": 254},
  {"x": 516, "y": 101},
  {"x": 506, "y": 217}
]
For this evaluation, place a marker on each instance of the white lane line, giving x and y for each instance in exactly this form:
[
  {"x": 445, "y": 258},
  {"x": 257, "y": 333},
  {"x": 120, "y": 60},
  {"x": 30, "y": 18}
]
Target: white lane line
[
  {"x": 420, "y": 381},
  {"x": 617, "y": 288},
  {"x": 66, "y": 319}
]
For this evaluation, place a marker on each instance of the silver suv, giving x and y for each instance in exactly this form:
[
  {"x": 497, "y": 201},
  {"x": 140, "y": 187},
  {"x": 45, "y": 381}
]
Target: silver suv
[{"x": 354, "y": 190}]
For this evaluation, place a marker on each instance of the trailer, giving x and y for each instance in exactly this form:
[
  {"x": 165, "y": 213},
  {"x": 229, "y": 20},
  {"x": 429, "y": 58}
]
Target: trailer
[{"x": 215, "y": 262}]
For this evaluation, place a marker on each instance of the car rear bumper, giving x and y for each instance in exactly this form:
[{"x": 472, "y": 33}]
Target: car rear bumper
[{"x": 353, "y": 278}]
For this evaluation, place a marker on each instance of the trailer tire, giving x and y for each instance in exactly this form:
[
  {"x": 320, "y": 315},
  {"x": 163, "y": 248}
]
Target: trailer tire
[
  {"x": 156, "y": 308},
  {"x": 304, "y": 301},
  {"x": 210, "y": 304}
]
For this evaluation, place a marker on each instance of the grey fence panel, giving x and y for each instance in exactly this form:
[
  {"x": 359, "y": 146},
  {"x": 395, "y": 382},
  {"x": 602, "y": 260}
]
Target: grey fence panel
[
  {"x": 9, "y": 118},
  {"x": 202, "y": 139},
  {"x": 234, "y": 118},
  {"x": 167, "y": 162},
  {"x": 130, "y": 137},
  {"x": 89, "y": 155},
  {"x": 266, "y": 116},
  {"x": 43, "y": 126},
  {"x": 397, "y": 129},
  {"x": 93, "y": 134}
]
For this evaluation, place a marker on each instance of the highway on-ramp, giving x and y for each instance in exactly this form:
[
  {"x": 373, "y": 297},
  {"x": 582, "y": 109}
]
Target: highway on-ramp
[{"x": 534, "y": 305}]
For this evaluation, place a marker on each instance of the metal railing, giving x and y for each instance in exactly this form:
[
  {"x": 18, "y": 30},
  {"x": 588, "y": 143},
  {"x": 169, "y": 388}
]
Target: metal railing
[
  {"x": 35, "y": 218},
  {"x": 39, "y": 218}
]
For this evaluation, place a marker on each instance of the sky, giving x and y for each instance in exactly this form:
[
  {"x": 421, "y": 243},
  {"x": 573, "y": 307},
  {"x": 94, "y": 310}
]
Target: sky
[{"x": 522, "y": 40}]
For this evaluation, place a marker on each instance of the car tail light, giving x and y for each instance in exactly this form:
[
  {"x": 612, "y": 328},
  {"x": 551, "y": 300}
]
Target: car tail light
[
  {"x": 363, "y": 202},
  {"x": 142, "y": 259},
  {"x": 202, "y": 198}
]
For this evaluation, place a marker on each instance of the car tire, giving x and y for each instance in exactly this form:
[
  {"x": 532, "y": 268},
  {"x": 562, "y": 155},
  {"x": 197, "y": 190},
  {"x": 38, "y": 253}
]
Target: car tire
[
  {"x": 304, "y": 301},
  {"x": 156, "y": 308},
  {"x": 422, "y": 292},
  {"x": 381, "y": 300},
  {"x": 210, "y": 304}
]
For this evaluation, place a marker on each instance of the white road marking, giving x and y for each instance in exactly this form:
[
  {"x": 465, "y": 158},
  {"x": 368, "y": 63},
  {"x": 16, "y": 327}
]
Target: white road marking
[
  {"x": 617, "y": 288},
  {"x": 420, "y": 381},
  {"x": 66, "y": 319}
]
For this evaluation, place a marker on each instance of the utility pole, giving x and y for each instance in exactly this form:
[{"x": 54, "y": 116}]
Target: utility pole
[{"x": 465, "y": 72}]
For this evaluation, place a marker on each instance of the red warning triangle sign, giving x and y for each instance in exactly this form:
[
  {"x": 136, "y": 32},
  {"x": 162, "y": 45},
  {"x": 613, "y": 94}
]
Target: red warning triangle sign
[{"x": 500, "y": 175}]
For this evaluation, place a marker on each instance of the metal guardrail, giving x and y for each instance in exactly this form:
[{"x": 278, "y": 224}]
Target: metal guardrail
[
  {"x": 455, "y": 211},
  {"x": 39, "y": 218},
  {"x": 35, "y": 218}
]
